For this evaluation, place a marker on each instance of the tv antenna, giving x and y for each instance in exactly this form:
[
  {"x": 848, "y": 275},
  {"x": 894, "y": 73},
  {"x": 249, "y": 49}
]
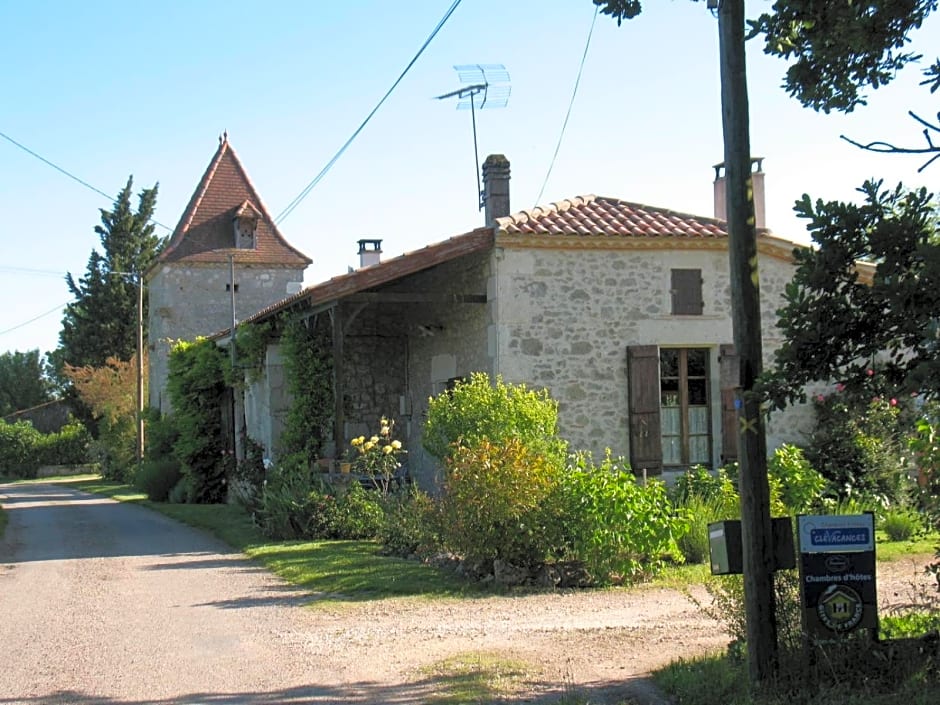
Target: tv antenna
[{"x": 488, "y": 88}]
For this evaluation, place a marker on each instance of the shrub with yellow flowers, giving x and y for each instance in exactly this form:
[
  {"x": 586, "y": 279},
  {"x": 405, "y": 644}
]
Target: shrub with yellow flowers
[{"x": 378, "y": 456}]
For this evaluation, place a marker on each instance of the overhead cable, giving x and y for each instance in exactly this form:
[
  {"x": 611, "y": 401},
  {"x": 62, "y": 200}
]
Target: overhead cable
[
  {"x": 36, "y": 318},
  {"x": 587, "y": 45},
  {"x": 67, "y": 173},
  {"x": 303, "y": 194}
]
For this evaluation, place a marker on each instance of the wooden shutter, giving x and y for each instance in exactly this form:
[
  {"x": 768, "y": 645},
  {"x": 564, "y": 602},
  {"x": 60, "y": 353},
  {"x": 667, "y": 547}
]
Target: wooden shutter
[
  {"x": 646, "y": 451},
  {"x": 730, "y": 379},
  {"x": 687, "y": 292}
]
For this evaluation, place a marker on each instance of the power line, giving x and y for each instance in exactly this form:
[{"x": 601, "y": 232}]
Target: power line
[
  {"x": 68, "y": 174},
  {"x": 574, "y": 93},
  {"x": 32, "y": 320},
  {"x": 303, "y": 194},
  {"x": 27, "y": 270}
]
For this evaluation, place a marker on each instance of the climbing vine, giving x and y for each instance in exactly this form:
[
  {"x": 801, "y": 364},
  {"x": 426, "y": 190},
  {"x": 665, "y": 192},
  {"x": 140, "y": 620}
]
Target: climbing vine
[
  {"x": 196, "y": 387},
  {"x": 308, "y": 362},
  {"x": 251, "y": 344}
]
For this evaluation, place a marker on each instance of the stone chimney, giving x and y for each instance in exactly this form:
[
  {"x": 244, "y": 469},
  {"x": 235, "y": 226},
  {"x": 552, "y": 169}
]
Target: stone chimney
[
  {"x": 495, "y": 194},
  {"x": 757, "y": 182},
  {"x": 370, "y": 252}
]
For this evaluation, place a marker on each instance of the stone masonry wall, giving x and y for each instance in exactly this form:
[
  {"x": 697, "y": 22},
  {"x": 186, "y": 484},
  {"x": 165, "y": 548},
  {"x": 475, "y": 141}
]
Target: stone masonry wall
[
  {"x": 187, "y": 302},
  {"x": 566, "y": 317}
]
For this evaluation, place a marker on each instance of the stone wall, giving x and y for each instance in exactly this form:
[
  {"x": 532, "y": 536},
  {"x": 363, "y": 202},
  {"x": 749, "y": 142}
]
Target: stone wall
[
  {"x": 191, "y": 301},
  {"x": 566, "y": 317}
]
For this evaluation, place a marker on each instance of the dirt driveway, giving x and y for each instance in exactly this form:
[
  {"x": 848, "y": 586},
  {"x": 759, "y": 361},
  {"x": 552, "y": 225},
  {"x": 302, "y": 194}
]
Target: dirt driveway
[{"x": 102, "y": 602}]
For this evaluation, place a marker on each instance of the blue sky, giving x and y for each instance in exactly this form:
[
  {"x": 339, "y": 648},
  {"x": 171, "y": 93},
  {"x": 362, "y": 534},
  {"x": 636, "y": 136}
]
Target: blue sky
[{"x": 111, "y": 89}]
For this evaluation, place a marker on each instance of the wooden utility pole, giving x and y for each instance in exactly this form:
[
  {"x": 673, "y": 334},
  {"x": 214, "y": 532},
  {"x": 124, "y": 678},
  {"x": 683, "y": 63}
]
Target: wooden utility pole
[{"x": 745, "y": 304}]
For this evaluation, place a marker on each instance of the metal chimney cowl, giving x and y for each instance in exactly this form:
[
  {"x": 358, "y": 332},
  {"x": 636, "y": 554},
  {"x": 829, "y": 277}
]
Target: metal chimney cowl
[
  {"x": 370, "y": 252},
  {"x": 757, "y": 182}
]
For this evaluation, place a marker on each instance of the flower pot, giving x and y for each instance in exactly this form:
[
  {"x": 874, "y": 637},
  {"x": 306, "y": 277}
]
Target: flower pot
[{"x": 345, "y": 467}]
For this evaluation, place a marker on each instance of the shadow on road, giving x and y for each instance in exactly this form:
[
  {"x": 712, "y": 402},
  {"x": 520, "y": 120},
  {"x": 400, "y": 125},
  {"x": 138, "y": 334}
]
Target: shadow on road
[
  {"x": 636, "y": 691},
  {"x": 48, "y": 523}
]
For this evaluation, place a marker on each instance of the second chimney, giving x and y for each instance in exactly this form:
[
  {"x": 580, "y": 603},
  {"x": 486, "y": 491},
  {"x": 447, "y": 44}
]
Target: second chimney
[
  {"x": 370, "y": 252},
  {"x": 757, "y": 183},
  {"x": 495, "y": 188}
]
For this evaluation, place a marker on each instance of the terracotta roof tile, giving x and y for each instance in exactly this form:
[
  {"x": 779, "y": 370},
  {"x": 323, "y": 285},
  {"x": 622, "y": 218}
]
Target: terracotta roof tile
[
  {"x": 363, "y": 279},
  {"x": 205, "y": 234},
  {"x": 610, "y": 217}
]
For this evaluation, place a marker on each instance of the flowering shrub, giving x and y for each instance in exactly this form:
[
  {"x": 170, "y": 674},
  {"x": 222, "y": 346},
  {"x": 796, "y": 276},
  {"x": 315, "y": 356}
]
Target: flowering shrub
[
  {"x": 378, "y": 456},
  {"x": 860, "y": 442}
]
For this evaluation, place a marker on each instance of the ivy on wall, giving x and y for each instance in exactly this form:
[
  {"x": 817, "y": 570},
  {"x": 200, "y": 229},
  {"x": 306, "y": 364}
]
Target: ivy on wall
[
  {"x": 308, "y": 361},
  {"x": 196, "y": 385},
  {"x": 251, "y": 344}
]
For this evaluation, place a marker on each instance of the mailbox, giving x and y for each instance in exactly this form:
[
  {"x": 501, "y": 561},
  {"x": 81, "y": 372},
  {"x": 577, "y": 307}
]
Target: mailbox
[{"x": 727, "y": 554}]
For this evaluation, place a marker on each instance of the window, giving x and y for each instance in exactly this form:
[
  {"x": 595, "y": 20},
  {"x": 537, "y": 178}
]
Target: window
[
  {"x": 685, "y": 428},
  {"x": 686, "y": 289}
]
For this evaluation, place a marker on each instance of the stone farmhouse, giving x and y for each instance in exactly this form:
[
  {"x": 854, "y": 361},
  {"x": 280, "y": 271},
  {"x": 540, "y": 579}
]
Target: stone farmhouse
[{"x": 622, "y": 311}]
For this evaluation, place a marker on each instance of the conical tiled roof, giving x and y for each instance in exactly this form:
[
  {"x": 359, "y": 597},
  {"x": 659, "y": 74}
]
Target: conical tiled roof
[{"x": 205, "y": 233}]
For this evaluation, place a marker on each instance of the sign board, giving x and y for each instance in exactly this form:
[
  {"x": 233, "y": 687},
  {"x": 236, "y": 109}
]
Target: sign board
[{"x": 837, "y": 573}]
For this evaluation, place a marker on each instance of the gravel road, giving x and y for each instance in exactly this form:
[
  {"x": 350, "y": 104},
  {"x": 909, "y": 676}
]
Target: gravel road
[{"x": 102, "y": 602}]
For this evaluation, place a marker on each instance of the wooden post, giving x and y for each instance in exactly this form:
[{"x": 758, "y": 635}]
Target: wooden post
[
  {"x": 339, "y": 418},
  {"x": 756, "y": 532}
]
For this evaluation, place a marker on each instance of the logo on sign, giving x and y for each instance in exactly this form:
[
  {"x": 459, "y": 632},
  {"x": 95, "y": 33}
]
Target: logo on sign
[
  {"x": 840, "y": 608},
  {"x": 839, "y": 537}
]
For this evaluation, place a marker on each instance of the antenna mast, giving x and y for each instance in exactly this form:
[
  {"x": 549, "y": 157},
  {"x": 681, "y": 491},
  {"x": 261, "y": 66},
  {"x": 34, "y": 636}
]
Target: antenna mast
[{"x": 491, "y": 81}]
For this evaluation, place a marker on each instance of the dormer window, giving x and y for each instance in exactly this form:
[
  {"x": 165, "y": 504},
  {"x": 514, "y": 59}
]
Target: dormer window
[{"x": 246, "y": 226}]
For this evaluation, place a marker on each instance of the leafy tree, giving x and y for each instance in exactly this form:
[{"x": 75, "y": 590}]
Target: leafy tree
[
  {"x": 110, "y": 392},
  {"x": 836, "y": 321},
  {"x": 102, "y": 321},
  {"x": 837, "y": 48},
  {"x": 23, "y": 382}
]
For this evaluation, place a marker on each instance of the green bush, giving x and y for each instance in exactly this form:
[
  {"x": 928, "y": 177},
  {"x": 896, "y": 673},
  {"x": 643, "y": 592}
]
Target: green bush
[
  {"x": 475, "y": 410},
  {"x": 296, "y": 505},
  {"x": 69, "y": 446},
  {"x": 699, "y": 481},
  {"x": 801, "y": 488},
  {"x": 358, "y": 515},
  {"x": 285, "y": 511},
  {"x": 18, "y": 444},
  {"x": 246, "y": 482},
  {"x": 412, "y": 524},
  {"x": 493, "y": 502},
  {"x": 901, "y": 523},
  {"x": 157, "y": 478},
  {"x": 183, "y": 492},
  {"x": 700, "y": 512},
  {"x": 617, "y": 527}
]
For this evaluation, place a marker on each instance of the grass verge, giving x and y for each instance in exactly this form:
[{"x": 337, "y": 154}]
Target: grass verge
[
  {"x": 339, "y": 571},
  {"x": 723, "y": 680}
]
